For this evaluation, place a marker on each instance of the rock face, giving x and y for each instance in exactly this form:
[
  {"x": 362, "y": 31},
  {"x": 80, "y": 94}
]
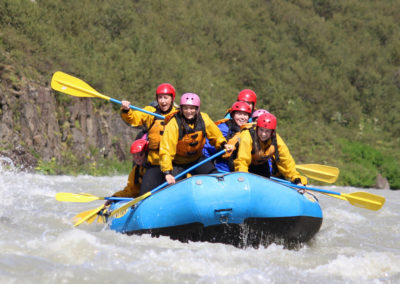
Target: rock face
[
  {"x": 381, "y": 182},
  {"x": 35, "y": 125}
]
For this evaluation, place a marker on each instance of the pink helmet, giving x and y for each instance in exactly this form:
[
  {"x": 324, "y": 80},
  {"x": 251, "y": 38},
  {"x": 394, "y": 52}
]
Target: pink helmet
[
  {"x": 267, "y": 120},
  {"x": 257, "y": 113},
  {"x": 190, "y": 99}
]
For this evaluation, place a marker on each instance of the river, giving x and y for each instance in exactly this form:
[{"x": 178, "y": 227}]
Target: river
[{"x": 39, "y": 244}]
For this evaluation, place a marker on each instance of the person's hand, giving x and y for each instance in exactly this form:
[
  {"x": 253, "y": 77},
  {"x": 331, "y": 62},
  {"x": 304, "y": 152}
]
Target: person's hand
[
  {"x": 229, "y": 148},
  {"x": 125, "y": 105},
  {"x": 301, "y": 190},
  {"x": 170, "y": 179},
  {"x": 297, "y": 181}
]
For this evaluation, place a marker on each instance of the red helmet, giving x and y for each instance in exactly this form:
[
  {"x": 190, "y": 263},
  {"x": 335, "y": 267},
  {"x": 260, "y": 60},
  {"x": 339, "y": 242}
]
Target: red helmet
[
  {"x": 166, "y": 89},
  {"x": 240, "y": 106},
  {"x": 139, "y": 146},
  {"x": 267, "y": 120},
  {"x": 248, "y": 96}
]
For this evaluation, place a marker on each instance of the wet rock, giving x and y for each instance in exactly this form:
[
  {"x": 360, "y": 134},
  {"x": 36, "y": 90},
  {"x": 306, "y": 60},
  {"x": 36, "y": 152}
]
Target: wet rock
[
  {"x": 18, "y": 158},
  {"x": 381, "y": 182},
  {"x": 33, "y": 121}
]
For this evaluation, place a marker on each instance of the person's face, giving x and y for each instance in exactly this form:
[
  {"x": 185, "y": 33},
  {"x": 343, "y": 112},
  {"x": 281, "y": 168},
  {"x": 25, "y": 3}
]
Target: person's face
[
  {"x": 264, "y": 133},
  {"x": 139, "y": 158},
  {"x": 250, "y": 104},
  {"x": 164, "y": 101},
  {"x": 240, "y": 117},
  {"x": 189, "y": 112}
]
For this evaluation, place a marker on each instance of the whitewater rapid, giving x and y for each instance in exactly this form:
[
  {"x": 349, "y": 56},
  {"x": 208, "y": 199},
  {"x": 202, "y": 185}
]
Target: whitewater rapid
[{"x": 39, "y": 244}]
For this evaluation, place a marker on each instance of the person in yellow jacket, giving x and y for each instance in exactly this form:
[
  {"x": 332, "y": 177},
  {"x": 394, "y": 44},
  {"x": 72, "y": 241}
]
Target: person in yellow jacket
[
  {"x": 184, "y": 138},
  {"x": 139, "y": 151},
  {"x": 262, "y": 151},
  {"x": 154, "y": 127}
]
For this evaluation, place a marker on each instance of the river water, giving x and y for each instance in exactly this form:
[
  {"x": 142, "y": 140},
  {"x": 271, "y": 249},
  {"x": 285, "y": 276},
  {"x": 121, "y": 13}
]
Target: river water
[{"x": 38, "y": 243}]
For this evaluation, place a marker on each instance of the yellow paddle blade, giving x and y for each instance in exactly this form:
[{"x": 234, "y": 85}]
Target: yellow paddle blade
[
  {"x": 73, "y": 86},
  {"x": 362, "y": 199},
  {"x": 323, "y": 173},
  {"x": 84, "y": 216},
  {"x": 365, "y": 200},
  {"x": 100, "y": 218},
  {"x": 121, "y": 211},
  {"x": 92, "y": 219},
  {"x": 75, "y": 197}
]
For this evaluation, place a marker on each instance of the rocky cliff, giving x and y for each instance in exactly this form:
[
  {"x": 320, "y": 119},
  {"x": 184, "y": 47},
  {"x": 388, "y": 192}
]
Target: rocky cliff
[{"x": 35, "y": 124}]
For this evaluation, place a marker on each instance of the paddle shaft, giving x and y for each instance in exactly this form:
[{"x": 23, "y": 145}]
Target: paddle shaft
[
  {"x": 137, "y": 108},
  {"x": 305, "y": 187},
  {"x": 189, "y": 170},
  {"x": 136, "y": 200},
  {"x": 117, "y": 198}
]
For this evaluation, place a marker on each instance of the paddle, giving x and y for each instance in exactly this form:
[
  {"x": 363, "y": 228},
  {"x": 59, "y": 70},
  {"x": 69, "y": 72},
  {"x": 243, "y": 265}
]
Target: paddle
[
  {"x": 120, "y": 210},
  {"x": 359, "y": 199},
  {"x": 89, "y": 215},
  {"x": 323, "y": 173},
  {"x": 73, "y": 86},
  {"x": 84, "y": 197}
]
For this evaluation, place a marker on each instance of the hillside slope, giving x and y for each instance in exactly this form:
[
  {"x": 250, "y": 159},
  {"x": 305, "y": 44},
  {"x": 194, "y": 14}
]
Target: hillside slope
[{"x": 329, "y": 70}]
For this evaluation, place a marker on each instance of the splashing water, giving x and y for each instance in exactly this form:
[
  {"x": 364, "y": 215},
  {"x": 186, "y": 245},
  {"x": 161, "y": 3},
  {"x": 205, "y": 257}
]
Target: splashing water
[{"x": 38, "y": 243}]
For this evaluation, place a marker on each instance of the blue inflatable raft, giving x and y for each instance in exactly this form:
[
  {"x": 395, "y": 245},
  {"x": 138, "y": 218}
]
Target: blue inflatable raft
[{"x": 237, "y": 208}]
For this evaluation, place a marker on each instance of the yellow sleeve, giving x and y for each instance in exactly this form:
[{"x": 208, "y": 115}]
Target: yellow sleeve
[
  {"x": 213, "y": 133},
  {"x": 131, "y": 189},
  {"x": 286, "y": 164},
  {"x": 138, "y": 118},
  {"x": 168, "y": 143},
  {"x": 243, "y": 159}
]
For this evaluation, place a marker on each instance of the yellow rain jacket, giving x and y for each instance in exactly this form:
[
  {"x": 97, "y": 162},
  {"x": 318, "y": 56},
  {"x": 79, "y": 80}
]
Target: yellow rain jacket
[
  {"x": 132, "y": 188},
  {"x": 170, "y": 142},
  {"x": 286, "y": 164},
  {"x": 154, "y": 125}
]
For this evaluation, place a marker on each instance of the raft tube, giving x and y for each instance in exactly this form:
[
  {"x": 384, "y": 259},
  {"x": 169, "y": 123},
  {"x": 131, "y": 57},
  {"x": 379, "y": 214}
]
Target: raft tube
[{"x": 241, "y": 209}]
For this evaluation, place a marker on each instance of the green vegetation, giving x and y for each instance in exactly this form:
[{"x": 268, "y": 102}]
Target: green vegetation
[
  {"x": 329, "y": 70},
  {"x": 362, "y": 163},
  {"x": 103, "y": 167}
]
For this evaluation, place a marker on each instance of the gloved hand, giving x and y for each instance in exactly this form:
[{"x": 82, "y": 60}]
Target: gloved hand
[
  {"x": 229, "y": 151},
  {"x": 108, "y": 203}
]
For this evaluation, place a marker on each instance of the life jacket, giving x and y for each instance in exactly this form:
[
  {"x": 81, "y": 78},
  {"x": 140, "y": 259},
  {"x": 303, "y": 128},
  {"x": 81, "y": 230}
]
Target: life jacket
[
  {"x": 154, "y": 131},
  {"x": 191, "y": 140},
  {"x": 139, "y": 173},
  {"x": 227, "y": 113},
  {"x": 232, "y": 137},
  {"x": 258, "y": 155}
]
